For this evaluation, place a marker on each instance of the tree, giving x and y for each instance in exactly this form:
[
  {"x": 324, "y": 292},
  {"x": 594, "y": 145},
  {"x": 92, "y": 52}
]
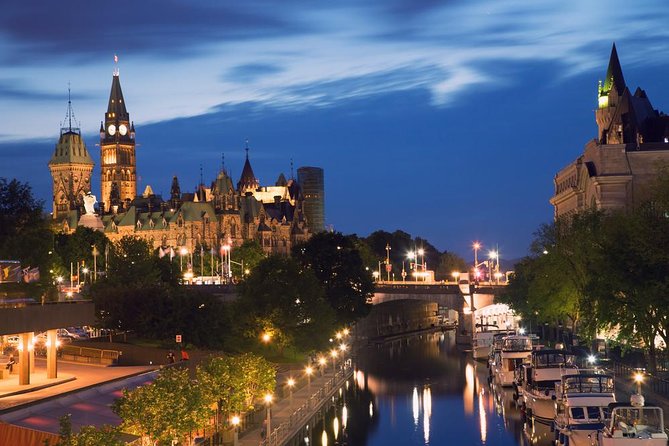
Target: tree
[
  {"x": 448, "y": 263},
  {"x": 236, "y": 382},
  {"x": 288, "y": 301},
  {"x": 337, "y": 264},
  {"x": 88, "y": 435},
  {"x": 78, "y": 246},
  {"x": 250, "y": 253},
  {"x": 131, "y": 262},
  {"x": 169, "y": 409},
  {"x": 24, "y": 232}
]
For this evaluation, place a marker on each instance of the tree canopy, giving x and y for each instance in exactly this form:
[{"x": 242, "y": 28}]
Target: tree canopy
[{"x": 336, "y": 263}]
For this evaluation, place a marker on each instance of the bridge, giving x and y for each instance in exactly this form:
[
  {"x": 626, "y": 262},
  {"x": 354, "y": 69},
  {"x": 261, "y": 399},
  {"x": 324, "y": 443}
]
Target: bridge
[{"x": 393, "y": 307}]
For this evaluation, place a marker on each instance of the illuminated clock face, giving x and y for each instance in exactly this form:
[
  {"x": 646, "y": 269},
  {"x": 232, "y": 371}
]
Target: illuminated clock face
[
  {"x": 111, "y": 129},
  {"x": 122, "y": 129}
]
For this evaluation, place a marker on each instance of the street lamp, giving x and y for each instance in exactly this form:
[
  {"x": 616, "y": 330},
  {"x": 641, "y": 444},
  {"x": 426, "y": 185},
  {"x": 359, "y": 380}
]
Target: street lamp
[
  {"x": 376, "y": 276},
  {"x": 290, "y": 383},
  {"x": 476, "y": 247},
  {"x": 235, "y": 424},
  {"x": 333, "y": 353},
  {"x": 456, "y": 276},
  {"x": 411, "y": 255},
  {"x": 268, "y": 401},
  {"x": 183, "y": 251},
  {"x": 322, "y": 362},
  {"x": 309, "y": 370},
  {"x": 266, "y": 337},
  {"x": 638, "y": 379}
]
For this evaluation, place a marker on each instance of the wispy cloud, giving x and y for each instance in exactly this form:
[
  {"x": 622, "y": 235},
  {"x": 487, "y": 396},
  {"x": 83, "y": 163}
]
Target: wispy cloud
[{"x": 186, "y": 59}]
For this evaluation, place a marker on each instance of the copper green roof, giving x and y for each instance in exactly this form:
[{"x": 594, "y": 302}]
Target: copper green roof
[{"x": 71, "y": 149}]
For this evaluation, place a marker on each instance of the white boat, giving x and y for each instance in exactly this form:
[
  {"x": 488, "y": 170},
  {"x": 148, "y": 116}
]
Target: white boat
[
  {"x": 582, "y": 407},
  {"x": 634, "y": 424},
  {"x": 536, "y": 381},
  {"x": 483, "y": 341},
  {"x": 515, "y": 351}
]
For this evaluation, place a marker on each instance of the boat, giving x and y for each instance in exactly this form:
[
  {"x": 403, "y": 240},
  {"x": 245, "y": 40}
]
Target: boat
[
  {"x": 582, "y": 407},
  {"x": 634, "y": 423},
  {"x": 535, "y": 382},
  {"x": 483, "y": 341},
  {"x": 514, "y": 351}
]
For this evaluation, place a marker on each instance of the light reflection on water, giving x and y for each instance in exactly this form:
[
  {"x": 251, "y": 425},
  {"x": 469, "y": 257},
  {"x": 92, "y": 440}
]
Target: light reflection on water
[{"x": 423, "y": 391}]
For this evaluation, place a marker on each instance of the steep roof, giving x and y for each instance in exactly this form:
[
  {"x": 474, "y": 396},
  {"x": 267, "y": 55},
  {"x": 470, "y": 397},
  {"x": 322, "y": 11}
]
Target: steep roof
[
  {"x": 614, "y": 74},
  {"x": 71, "y": 149},
  {"x": 116, "y": 102},
  {"x": 248, "y": 180}
]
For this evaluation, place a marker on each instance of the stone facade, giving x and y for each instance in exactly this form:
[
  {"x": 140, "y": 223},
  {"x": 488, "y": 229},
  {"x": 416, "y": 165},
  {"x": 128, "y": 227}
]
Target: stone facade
[
  {"x": 616, "y": 167},
  {"x": 205, "y": 219}
]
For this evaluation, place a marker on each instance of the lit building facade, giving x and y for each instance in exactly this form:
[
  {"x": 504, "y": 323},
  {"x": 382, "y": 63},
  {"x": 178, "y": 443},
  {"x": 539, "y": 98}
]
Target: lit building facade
[
  {"x": 205, "y": 219},
  {"x": 615, "y": 168}
]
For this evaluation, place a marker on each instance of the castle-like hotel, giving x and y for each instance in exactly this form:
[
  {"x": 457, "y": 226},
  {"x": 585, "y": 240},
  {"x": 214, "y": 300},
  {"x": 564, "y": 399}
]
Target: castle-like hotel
[
  {"x": 616, "y": 168},
  {"x": 277, "y": 216}
]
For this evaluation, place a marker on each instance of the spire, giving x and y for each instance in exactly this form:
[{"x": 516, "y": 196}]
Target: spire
[
  {"x": 201, "y": 180},
  {"x": 248, "y": 181},
  {"x": 222, "y": 162},
  {"x": 66, "y": 126},
  {"x": 614, "y": 74},
  {"x": 292, "y": 174},
  {"x": 116, "y": 102},
  {"x": 175, "y": 190}
]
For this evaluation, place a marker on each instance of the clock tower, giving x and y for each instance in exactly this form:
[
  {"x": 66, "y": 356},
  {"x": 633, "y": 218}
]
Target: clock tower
[{"x": 117, "y": 152}]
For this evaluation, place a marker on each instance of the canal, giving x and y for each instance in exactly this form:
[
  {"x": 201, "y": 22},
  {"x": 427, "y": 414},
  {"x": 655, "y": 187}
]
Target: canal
[{"x": 420, "y": 390}]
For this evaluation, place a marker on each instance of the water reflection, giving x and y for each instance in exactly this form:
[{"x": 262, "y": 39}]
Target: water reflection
[{"x": 399, "y": 390}]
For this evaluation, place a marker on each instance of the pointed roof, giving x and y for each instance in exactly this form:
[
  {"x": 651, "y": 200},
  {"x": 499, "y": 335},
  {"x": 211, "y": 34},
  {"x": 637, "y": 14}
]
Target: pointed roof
[
  {"x": 70, "y": 148},
  {"x": 281, "y": 181},
  {"x": 614, "y": 74},
  {"x": 248, "y": 180},
  {"x": 116, "y": 101}
]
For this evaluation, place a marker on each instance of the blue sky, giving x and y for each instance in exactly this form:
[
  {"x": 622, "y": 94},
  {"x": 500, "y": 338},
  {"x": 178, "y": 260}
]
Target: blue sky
[{"x": 447, "y": 119}]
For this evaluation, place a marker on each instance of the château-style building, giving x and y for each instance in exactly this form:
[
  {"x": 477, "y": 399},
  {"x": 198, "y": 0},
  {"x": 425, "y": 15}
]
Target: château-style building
[
  {"x": 208, "y": 218},
  {"x": 632, "y": 142}
]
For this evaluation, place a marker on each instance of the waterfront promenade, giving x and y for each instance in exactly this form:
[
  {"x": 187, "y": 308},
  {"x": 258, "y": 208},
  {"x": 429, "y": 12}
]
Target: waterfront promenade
[{"x": 291, "y": 412}]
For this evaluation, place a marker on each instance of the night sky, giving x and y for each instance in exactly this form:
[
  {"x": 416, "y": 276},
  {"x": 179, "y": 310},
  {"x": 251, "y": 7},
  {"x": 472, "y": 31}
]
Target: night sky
[{"x": 447, "y": 119}]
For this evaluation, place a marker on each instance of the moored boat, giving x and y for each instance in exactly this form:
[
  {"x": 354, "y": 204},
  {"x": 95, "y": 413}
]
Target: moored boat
[
  {"x": 634, "y": 423},
  {"x": 536, "y": 381},
  {"x": 515, "y": 351},
  {"x": 582, "y": 407}
]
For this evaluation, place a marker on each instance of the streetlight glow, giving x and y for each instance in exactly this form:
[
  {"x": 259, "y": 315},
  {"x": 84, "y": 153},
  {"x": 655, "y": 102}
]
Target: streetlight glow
[
  {"x": 309, "y": 370},
  {"x": 235, "y": 420},
  {"x": 268, "y": 398},
  {"x": 321, "y": 360},
  {"x": 266, "y": 337}
]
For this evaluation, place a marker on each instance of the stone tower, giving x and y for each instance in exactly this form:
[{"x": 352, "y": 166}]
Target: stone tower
[
  {"x": 248, "y": 181},
  {"x": 71, "y": 167},
  {"x": 118, "y": 181}
]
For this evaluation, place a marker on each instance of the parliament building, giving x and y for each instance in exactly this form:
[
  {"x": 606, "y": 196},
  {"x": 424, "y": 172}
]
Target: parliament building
[
  {"x": 277, "y": 216},
  {"x": 617, "y": 166}
]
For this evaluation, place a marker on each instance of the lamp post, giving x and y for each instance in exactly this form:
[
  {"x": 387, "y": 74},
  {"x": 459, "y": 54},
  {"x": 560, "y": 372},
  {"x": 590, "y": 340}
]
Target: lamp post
[
  {"x": 411, "y": 255},
  {"x": 333, "y": 353},
  {"x": 226, "y": 261},
  {"x": 388, "y": 266},
  {"x": 268, "y": 400},
  {"x": 308, "y": 371},
  {"x": 322, "y": 362},
  {"x": 235, "y": 424},
  {"x": 85, "y": 271},
  {"x": 456, "y": 276},
  {"x": 290, "y": 383},
  {"x": 183, "y": 251},
  {"x": 421, "y": 252},
  {"x": 638, "y": 379},
  {"x": 476, "y": 247}
]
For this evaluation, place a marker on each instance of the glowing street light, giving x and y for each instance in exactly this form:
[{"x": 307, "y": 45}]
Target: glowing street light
[
  {"x": 321, "y": 362},
  {"x": 290, "y": 383},
  {"x": 266, "y": 337},
  {"x": 333, "y": 353},
  {"x": 346, "y": 331},
  {"x": 638, "y": 379},
  {"x": 456, "y": 276},
  {"x": 235, "y": 424},
  {"x": 183, "y": 252},
  {"x": 476, "y": 247},
  {"x": 268, "y": 401},
  {"x": 308, "y": 371}
]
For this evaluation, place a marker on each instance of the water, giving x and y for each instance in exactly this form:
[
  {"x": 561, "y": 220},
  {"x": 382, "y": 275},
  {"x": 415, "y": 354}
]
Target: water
[{"x": 421, "y": 391}]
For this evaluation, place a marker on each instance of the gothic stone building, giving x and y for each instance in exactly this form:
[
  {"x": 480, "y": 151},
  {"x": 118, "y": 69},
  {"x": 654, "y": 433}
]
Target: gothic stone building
[
  {"x": 632, "y": 142},
  {"x": 207, "y": 218}
]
